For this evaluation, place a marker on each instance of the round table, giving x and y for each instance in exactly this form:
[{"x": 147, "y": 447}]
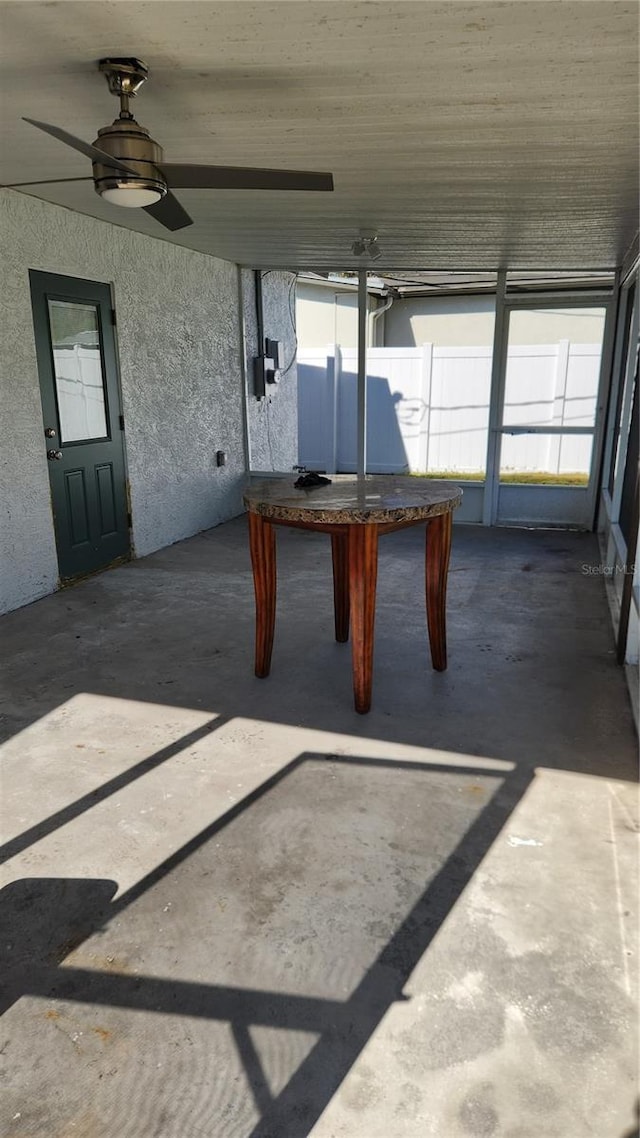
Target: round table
[{"x": 354, "y": 511}]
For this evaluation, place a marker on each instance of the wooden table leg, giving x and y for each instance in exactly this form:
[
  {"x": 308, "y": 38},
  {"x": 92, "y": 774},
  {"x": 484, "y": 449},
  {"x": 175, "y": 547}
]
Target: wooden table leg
[
  {"x": 340, "y": 556},
  {"x": 363, "y": 573},
  {"x": 437, "y": 565},
  {"x": 262, "y": 543}
]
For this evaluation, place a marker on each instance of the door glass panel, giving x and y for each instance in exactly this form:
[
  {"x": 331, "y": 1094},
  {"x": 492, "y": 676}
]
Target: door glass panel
[
  {"x": 553, "y": 366},
  {"x": 549, "y": 460},
  {"x": 77, "y": 363}
]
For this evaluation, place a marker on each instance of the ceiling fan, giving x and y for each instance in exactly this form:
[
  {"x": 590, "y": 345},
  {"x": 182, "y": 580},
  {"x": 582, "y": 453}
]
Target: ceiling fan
[{"x": 129, "y": 167}]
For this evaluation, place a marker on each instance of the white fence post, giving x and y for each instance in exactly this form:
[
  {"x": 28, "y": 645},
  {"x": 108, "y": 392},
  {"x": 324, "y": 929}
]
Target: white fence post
[
  {"x": 425, "y": 421},
  {"x": 333, "y": 398}
]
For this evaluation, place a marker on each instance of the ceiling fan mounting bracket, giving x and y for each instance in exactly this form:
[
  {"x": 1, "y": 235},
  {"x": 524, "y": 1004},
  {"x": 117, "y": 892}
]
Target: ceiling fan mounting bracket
[{"x": 124, "y": 76}]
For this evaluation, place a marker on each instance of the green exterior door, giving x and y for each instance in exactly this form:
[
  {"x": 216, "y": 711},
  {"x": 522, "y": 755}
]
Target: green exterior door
[{"x": 82, "y": 421}]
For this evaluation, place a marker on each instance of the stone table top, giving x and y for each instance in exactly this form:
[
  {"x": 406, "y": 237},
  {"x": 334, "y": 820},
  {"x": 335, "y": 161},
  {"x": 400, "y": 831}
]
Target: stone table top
[{"x": 351, "y": 500}]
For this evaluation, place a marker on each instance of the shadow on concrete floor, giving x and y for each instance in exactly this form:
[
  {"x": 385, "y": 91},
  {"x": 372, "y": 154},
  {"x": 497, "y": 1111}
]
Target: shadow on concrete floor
[{"x": 50, "y": 918}]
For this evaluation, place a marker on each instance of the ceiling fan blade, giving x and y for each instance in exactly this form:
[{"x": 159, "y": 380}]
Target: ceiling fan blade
[
  {"x": 43, "y": 182},
  {"x": 169, "y": 213},
  {"x": 91, "y": 152},
  {"x": 183, "y": 177}
]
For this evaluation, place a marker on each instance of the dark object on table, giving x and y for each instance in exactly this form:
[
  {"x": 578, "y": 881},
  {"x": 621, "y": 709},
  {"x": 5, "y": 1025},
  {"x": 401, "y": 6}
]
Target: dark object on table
[{"x": 308, "y": 481}]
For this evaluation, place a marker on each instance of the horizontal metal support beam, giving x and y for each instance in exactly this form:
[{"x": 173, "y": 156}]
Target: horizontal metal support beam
[
  {"x": 584, "y": 298},
  {"x": 544, "y": 430}
]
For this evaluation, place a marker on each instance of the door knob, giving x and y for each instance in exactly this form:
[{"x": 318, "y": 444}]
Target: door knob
[
  {"x": 54, "y": 455},
  {"x": 49, "y": 433}
]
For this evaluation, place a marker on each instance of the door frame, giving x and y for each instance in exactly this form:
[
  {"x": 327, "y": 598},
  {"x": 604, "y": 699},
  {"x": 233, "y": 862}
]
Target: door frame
[
  {"x": 63, "y": 286},
  {"x": 585, "y": 497},
  {"x": 623, "y": 582}
]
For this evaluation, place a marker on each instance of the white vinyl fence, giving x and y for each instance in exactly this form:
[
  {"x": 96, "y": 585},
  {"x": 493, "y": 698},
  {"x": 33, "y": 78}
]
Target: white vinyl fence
[
  {"x": 80, "y": 392},
  {"x": 428, "y": 407}
]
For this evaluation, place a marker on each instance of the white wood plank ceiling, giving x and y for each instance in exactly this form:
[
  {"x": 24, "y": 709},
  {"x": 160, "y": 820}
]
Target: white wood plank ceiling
[{"x": 469, "y": 135}]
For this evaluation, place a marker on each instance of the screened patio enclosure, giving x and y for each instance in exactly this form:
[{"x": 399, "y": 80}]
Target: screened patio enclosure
[
  {"x": 518, "y": 417},
  {"x": 532, "y": 408}
]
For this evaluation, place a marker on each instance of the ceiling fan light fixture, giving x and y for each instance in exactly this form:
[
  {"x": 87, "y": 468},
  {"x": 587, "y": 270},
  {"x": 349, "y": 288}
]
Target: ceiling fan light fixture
[
  {"x": 132, "y": 197},
  {"x": 129, "y": 143}
]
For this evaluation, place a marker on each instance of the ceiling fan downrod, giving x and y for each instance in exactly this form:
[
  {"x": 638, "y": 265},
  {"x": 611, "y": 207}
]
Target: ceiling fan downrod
[{"x": 124, "y": 78}]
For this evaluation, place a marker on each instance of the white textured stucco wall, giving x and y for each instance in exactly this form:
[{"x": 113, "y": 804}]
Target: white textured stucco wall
[
  {"x": 179, "y": 350},
  {"x": 462, "y": 321},
  {"x": 273, "y": 422},
  {"x": 444, "y": 321},
  {"x": 327, "y": 317}
]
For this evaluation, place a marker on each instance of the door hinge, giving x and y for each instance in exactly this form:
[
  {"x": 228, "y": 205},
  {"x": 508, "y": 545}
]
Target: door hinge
[
  {"x": 121, "y": 422},
  {"x": 113, "y": 318},
  {"x": 129, "y": 519}
]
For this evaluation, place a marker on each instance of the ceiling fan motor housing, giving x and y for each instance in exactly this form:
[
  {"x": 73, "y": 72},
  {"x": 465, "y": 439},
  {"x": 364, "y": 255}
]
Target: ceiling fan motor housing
[{"x": 127, "y": 140}]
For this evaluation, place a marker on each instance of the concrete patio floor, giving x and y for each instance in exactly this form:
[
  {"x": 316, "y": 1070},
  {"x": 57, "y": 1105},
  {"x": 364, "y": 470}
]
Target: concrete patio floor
[{"x": 236, "y": 909}]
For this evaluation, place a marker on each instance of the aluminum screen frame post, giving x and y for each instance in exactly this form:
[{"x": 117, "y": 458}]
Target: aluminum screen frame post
[
  {"x": 362, "y": 374},
  {"x": 498, "y": 378}
]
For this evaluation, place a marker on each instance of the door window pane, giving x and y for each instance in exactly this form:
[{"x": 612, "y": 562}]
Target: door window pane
[
  {"x": 553, "y": 367},
  {"x": 77, "y": 363},
  {"x": 551, "y": 460}
]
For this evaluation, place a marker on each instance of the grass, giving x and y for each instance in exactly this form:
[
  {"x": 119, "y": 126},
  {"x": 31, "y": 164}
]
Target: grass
[{"x": 526, "y": 478}]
